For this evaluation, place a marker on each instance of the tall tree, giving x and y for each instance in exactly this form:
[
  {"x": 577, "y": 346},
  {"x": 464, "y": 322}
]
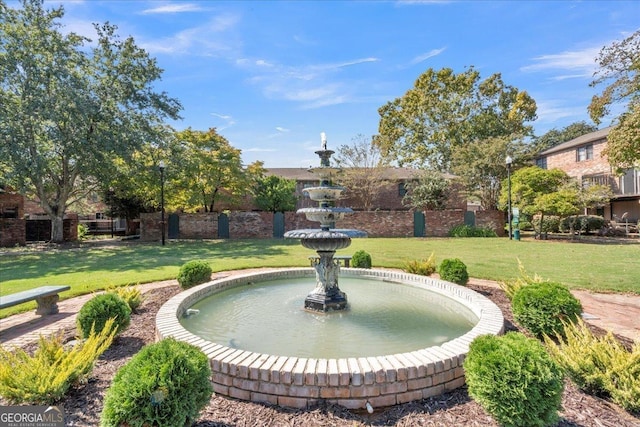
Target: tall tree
[
  {"x": 208, "y": 170},
  {"x": 67, "y": 111},
  {"x": 620, "y": 70},
  {"x": 481, "y": 167},
  {"x": 445, "y": 111},
  {"x": 555, "y": 136},
  {"x": 275, "y": 194},
  {"x": 431, "y": 190},
  {"x": 363, "y": 171}
]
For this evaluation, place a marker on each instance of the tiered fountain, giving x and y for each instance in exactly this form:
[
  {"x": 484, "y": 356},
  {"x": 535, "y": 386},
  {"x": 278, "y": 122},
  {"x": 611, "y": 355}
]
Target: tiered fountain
[{"x": 327, "y": 295}]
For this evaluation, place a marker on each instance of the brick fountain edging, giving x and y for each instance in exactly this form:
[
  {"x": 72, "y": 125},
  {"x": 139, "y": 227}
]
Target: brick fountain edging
[{"x": 297, "y": 382}]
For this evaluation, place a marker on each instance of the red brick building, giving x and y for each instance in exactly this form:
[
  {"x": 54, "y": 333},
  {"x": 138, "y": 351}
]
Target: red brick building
[{"x": 582, "y": 158}]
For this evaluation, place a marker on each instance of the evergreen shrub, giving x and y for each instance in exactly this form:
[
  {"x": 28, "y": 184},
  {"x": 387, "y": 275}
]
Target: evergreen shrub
[
  {"x": 166, "y": 385},
  {"x": 465, "y": 230},
  {"x": 543, "y": 307},
  {"x": 130, "y": 294},
  {"x": 598, "y": 365},
  {"x": 45, "y": 377},
  {"x": 514, "y": 379},
  {"x": 361, "y": 259},
  {"x": 424, "y": 267},
  {"x": 95, "y": 313},
  {"x": 453, "y": 270},
  {"x": 193, "y": 273}
]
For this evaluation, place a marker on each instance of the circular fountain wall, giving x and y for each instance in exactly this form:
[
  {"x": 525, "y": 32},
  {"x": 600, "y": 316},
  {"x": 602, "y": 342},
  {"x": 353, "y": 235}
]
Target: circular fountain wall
[{"x": 377, "y": 378}]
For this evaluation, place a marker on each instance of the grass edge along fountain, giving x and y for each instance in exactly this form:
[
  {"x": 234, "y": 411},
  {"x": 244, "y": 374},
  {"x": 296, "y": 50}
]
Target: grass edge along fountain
[{"x": 355, "y": 382}]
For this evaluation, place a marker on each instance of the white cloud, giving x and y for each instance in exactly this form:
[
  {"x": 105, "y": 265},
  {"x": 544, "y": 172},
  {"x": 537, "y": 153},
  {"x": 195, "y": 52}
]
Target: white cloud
[
  {"x": 200, "y": 40},
  {"x": 577, "y": 64},
  {"x": 421, "y": 58},
  {"x": 226, "y": 119},
  {"x": 173, "y": 8},
  {"x": 281, "y": 129}
]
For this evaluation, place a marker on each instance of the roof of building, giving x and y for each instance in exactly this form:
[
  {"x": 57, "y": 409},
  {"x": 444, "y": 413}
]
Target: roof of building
[{"x": 576, "y": 142}]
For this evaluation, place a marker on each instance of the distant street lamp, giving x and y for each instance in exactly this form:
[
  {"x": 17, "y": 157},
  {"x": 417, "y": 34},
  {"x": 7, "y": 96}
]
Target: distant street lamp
[
  {"x": 161, "y": 165},
  {"x": 508, "y": 161}
]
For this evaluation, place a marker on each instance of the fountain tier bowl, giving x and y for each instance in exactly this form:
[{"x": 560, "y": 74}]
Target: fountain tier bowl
[{"x": 301, "y": 382}]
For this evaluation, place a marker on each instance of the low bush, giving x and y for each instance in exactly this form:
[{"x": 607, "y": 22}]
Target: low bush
[
  {"x": 510, "y": 287},
  {"x": 165, "y": 384},
  {"x": 45, "y": 377},
  {"x": 361, "y": 259},
  {"x": 598, "y": 365},
  {"x": 193, "y": 273},
  {"x": 465, "y": 230},
  {"x": 582, "y": 223},
  {"x": 130, "y": 294},
  {"x": 453, "y": 270},
  {"x": 424, "y": 267},
  {"x": 543, "y": 307},
  {"x": 83, "y": 231},
  {"x": 95, "y": 313},
  {"x": 514, "y": 379}
]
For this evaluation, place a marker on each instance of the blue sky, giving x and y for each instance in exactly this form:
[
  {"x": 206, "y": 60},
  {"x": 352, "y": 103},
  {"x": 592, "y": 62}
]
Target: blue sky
[{"x": 272, "y": 75}]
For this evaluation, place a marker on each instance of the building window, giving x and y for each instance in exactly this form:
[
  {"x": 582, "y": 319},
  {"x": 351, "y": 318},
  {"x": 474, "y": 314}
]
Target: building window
[
  {"x": 584, "y": 153},
  {"x": 541, "y": 162},
  {"x": 402, "y": 190}
]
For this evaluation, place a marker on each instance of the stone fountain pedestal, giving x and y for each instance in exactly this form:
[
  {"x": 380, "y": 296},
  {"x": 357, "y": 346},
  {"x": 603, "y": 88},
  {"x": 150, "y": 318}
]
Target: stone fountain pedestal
[{"x": 327, "y": 295}]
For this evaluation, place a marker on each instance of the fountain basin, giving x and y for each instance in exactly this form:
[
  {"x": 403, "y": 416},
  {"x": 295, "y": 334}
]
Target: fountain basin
[{"x": 301, "y": 382}]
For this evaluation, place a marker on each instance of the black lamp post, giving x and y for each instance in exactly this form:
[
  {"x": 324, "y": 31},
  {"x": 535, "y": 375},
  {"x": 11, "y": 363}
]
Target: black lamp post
[
  {"x": 508, "y": 160},
  {"x": 161, "y": 165}
]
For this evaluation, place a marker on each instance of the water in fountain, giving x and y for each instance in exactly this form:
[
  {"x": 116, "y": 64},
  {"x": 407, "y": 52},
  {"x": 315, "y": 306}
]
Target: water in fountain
[{"x": 327, "y": 295}]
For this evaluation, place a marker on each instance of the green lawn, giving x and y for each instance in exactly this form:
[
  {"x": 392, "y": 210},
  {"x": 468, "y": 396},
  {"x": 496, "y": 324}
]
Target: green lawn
[{"x": 598, "y": 267}]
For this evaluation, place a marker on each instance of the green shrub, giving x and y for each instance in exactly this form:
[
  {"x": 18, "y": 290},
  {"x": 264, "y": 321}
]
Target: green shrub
[
  {"x": 193, "y": 273},
  {"x": 95, "y": 313},
  {"x": 130, "y": 294},
  {"x": 453, "y": 270},
  {"x": 543, "y": 307},
  {"x": 598, "y": 365},
  {"x": 83, "y": 231},
  {"x": 514, "y": 379},
  {"x": 465, "y": 230},
  {"x": 361, "y": 259},
  {"x": 425, "y": 267},
  {"x": 582, "y": 223},
  {"x": 165, "y": 384},
  {"x": 45, "y": 377}
]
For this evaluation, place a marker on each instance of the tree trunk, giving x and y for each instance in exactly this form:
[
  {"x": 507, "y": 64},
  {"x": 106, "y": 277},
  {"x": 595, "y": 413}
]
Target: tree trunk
[{"x": 57, "y": 228}]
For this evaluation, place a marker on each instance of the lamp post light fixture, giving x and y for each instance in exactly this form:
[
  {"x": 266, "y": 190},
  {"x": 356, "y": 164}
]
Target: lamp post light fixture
[
  {"x": 161, "y": 166},
  {"x": 508, "y": 160}
]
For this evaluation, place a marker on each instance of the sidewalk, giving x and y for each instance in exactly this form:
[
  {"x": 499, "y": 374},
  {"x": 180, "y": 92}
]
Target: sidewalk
[{"x": 615, "y": 312}]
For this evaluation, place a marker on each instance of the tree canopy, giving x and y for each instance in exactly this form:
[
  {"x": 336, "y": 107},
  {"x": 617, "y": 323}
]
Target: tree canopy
[
  {"x": 430, "y": 190},
  {"x": 363, "y": 172},
  {"x": 555, "y": 136},
  {"x": 620, "y": 71},
  {"x": 68, "y": 111},
  {"x": 445, "y": 111},
  {"x": 275, "y": 194},
  {"x": 206, "y": 170}
]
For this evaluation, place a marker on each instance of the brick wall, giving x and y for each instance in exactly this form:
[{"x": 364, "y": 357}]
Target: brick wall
[
  {"x": 438, "y": 223},
  {"x": 260, "y": 224},
  {"x": 566, "y": 161},
  {"x": 12, "y": 232},
  {"x": 492, "y": 219}
]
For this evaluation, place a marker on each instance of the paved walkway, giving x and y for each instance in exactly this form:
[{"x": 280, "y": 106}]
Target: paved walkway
[{"x": 616, "y": 312}]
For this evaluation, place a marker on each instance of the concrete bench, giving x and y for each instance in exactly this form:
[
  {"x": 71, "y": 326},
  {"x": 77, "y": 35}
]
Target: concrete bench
[
  {"x": 341, "y": 259},
  {"x": 46, "y": 297}
]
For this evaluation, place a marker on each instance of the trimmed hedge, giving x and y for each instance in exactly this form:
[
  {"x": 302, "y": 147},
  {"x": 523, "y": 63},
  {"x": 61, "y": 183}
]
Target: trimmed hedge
[
  {"x": 166, "y": 385},
  {"x": 95, "y": 313},
  {"x": 361, "y": 259},
  {"x": 193, "y": 273},
  {"x": 544, "y": 307},
  {"x": 453, "y": 270},
  {"x": 514, "y": 379}
]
